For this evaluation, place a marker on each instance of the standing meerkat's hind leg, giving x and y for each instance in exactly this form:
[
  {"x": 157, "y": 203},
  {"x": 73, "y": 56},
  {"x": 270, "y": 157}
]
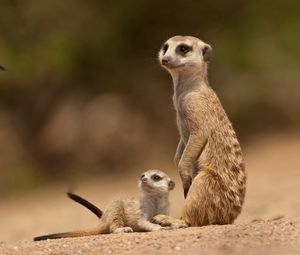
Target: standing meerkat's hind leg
[
  {"x": 194, "y": 212},
  {"x": 211, "y": 201}
]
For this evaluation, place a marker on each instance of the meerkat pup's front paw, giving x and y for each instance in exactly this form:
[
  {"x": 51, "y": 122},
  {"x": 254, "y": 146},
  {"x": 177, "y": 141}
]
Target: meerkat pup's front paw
[
  {"x": 168, "y": 221},
  {"x": 161, "y": 220}
]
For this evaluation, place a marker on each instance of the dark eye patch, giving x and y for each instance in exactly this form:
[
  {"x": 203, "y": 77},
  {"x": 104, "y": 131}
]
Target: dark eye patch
[
  {"x": 165, "y": 48},
  {"x": 182, "y": 49},
  {"x": 156, "y": 177}
]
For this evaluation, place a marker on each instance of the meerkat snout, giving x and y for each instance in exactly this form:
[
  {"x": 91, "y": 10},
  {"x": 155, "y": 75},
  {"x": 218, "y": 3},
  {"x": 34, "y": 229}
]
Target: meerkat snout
[
  {"x": 165, "y": 60},
  {"x": 143, "y": 178}
]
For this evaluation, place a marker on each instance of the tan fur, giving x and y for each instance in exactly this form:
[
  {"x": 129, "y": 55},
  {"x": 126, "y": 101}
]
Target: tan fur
[
  {"x": 131, "y": 215},
  {"x": 208, "y": 157}
]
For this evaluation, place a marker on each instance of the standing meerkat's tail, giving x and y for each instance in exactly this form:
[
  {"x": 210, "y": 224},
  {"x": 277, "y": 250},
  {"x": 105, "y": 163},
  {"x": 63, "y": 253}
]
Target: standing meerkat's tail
[
  {"x": 68, "y": 234},
  {"x": 86, "y": 204}
]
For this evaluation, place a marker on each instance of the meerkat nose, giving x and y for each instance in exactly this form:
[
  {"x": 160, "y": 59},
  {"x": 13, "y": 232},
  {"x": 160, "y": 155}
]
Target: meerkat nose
[
  {"x": 165, "y": 60},
  {"x": 143, "y": 179}
]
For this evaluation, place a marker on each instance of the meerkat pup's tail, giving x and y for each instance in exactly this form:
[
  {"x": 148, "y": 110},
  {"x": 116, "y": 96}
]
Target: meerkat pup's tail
[
  {"x": 86, "y": 204},
  {"x": 67, "y": 234},
  {"x": 94, "y": 209}
]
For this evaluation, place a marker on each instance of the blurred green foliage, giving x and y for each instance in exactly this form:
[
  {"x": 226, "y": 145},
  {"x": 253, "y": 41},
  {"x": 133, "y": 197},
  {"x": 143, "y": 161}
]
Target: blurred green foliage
[{"x": 55, "y": 49}]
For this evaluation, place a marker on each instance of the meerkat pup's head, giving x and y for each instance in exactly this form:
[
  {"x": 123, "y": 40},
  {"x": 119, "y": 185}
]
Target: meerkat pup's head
[
  {"x": 155, "y": 182},
  {"x": 184, "y": 53}
]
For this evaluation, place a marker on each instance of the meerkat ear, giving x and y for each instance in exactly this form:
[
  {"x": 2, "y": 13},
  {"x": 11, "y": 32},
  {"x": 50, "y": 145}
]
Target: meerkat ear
[
  {"x": 206, "y": 52},
  {"x": 171, "y": 185}
]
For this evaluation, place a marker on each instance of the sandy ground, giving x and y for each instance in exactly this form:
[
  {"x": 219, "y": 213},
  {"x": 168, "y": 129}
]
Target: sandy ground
[
  {"x": 272, "y": 237},
  {"x": 273, "y": 190}
]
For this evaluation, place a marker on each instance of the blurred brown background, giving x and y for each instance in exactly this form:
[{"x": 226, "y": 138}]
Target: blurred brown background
[{"x": 84, "y": 103}]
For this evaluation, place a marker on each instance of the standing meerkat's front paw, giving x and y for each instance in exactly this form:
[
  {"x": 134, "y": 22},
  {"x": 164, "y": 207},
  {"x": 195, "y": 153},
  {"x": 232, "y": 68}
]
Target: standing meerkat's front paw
[
  {"x": 186, "y": 183},
  {"x": 186, "y": 178}
]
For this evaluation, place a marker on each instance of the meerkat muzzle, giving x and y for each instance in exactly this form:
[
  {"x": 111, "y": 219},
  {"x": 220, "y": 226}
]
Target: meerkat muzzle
[{"x": 165, "y": 61}]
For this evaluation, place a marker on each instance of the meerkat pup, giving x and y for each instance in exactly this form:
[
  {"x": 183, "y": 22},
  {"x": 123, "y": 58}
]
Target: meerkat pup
[
  {"x": 208, "y": 157},
  {"x": 129, "y": 215}
]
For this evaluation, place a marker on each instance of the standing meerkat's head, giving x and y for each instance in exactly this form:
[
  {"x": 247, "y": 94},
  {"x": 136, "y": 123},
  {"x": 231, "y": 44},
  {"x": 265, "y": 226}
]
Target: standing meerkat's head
[
  {"x": 155, "y": 182},
  {"x": 184, "y": 53}
]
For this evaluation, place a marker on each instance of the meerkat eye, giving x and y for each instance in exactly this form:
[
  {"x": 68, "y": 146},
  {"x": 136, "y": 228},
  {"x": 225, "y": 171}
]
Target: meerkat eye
[
  {"x": 183, "y": 48},
  {"x": 156, "y": 177},
  {"x": 165, "y": 48}
]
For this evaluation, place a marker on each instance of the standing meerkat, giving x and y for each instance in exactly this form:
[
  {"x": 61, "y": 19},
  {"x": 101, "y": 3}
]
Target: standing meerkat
[
  {"x": 129, "y": 215},
  {"x": 208, "y": 156}
]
